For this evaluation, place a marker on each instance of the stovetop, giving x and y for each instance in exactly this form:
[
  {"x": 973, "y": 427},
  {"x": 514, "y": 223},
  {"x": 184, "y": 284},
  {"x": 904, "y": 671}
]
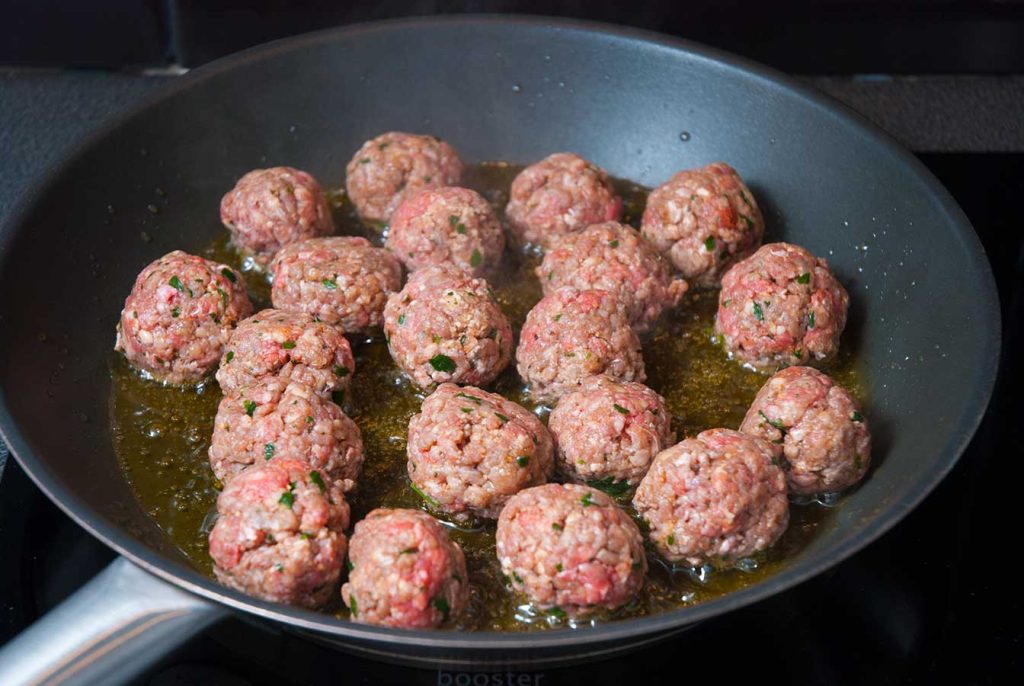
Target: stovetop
[{"x": 936, "y": 600}]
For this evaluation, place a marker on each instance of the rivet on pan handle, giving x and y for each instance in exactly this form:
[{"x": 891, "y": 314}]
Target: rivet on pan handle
[{"x": 108, "y": 632}]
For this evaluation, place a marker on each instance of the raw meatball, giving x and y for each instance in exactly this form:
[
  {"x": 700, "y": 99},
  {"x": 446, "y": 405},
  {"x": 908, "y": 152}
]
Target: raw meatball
[
  {"x": 613, "y": 257},
  {"x": 342, "y": 280},
  {"x": 570, "y": 547},
  {"x": 405, "y": 571},
  {"x": 718, "y": 497},
  {"x": 275, "y": 419},
  {"x": 609, "y": 431},
  {"x": 561, "y": 194},
  {"x": 781, "y": 306},
  {"x": 470, "y": 451},
  {"x": 824, "y": 437},
  {"x": 445, "y": 326},
  {"x": 280, "y": 534},
  {"x": 270, "y": 208},
  {"x": 395, "y": 165},
  {"x": 179, "y": 315},
  {"x": 570, "y": 335},
  {"x": 703, "y": 220},
  {"x": 291, "y": 345},
  {"x": 446, "y": 225}
]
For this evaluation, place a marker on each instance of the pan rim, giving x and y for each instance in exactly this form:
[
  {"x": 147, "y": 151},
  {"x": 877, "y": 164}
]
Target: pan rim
[{"x": 176, "y": 573}]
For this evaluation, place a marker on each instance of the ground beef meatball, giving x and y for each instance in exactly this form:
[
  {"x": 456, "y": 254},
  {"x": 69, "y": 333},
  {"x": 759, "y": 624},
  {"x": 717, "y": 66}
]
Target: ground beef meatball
[
  {"x": 394, "y": 165},
  {"x": 571, "y": 547},
  {"x": 570, "y": 335},
  {"x": 279, "y": 419},
  {"x": 445, "y": 326},
  {"x": 781, "y": 306},
  {"x": 613, "y": 257},
  {"x": 179, "y": 315},
  {"x": 342, "y": 280},
  {"x": 405, "y": 571},
  {"x": 608, "y": 432},
  {"x": 470, "y": 451},
  {"x": 703, "y": 220},
  {"x": 291, "y": 345},
  {"x": 270, "y": 208},
  {"x": 280, "y": 534},
  {"x": 718, "y": 497},
  {"x": 561, "y": 194},
  {"x": 824, "y": 437},
  {"x": 446, "y": 225}
]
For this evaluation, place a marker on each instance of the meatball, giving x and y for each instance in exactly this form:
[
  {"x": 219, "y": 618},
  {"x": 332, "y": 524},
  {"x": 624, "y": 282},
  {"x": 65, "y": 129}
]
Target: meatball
[
  {"x": 277, "y": 419},
  {"x": 445, "y": 326},
  {"x": 470, "y": 451},
  {"x": 824, "y": 437},
  {"x": 608, "y": 432},
  {"x": 405, "y": 571},
  {"x": 280, "y": 534},
  {"x": 561, "y": 194},
  {"x": 342, "y": 280},
  {"x": 291, "y": 345},
  {"x": 570, "y": 335},
  {"x": 394, "y": 165},
  {"x": 613, "y": 257},
  {"x": 270, "y": 208},
  {"x": 446, "y": 225},
  {"x": 718, "y": 497},
  {"x": 179, "y": 315},
  {"x": 781, "y": 306},
  {"x": 570, "y": 547},
  {"x": 703, "y": 220}
]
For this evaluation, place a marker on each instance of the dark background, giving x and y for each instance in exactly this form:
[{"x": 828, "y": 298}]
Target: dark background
[
  {"x": 823, "y": 37},
  {"x": 937, "y": 600}
]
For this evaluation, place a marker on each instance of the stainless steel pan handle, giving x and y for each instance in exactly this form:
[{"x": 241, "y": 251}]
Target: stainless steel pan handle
[{"x": 110, "y": 630}]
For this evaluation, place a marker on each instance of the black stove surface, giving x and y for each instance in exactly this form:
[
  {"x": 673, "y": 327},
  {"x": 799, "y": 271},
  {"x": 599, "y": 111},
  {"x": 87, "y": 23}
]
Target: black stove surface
[{"x": 936, "y": 600}]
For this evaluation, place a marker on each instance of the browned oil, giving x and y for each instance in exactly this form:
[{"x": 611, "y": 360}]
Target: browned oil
[{"x": 161, "y": 434}]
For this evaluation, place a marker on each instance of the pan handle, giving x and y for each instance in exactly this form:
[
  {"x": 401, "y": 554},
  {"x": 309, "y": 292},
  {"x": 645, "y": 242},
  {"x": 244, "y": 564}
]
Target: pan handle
[{"x": 107, "y": 632}]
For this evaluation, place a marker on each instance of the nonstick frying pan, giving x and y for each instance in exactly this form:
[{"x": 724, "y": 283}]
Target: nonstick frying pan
[{"x": 924, "y": 315}]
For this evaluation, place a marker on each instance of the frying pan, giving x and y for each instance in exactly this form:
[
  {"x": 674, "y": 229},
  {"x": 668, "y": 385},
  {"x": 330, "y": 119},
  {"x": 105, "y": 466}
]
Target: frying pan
[{"x": 924, "y": 318}]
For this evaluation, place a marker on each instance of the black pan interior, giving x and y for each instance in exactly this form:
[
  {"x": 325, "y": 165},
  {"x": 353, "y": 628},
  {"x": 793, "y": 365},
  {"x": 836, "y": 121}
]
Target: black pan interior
[{"x": 924, "y": 316}]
